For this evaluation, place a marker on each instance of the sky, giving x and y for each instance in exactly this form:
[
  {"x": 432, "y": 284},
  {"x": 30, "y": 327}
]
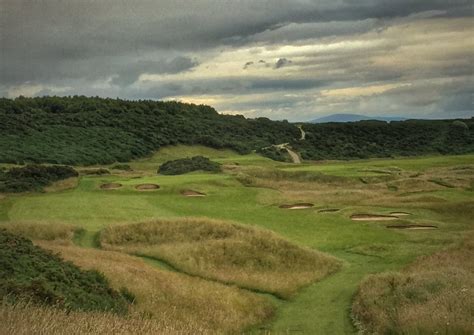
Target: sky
[{"x": 282, "y": 59}]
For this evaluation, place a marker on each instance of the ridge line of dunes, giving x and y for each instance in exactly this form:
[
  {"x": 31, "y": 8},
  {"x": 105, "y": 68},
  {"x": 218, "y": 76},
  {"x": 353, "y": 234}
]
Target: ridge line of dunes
[{"x": 227, "y": 252}]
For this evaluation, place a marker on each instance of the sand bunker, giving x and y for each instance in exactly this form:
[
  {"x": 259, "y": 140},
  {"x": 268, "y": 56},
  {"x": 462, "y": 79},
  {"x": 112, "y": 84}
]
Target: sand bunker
[
  {"x": 329, "y": 210},
  {"x": 400, "y": 213},
  {"x": 373, "y": 217},
  {"x": 110, "y": 186},
  {"x": 191, "y": 193},
  {"x": 147, "y": 187},
  {"x": 301, "y": 205},
  {"x": 412, "y": 227}
]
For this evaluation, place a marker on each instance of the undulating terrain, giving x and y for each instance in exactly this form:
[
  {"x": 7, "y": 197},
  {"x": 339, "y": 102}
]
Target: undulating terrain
[{"x": 316, "y": 248}]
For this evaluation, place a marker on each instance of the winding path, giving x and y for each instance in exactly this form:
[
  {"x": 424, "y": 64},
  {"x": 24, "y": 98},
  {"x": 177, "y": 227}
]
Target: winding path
[
  {"x": 294, "y": 156},
  {"x": 303, "y": 133}
]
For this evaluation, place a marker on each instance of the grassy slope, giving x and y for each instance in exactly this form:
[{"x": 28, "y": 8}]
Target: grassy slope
[
  {"x": 224, "y": 251},
  {"x": 367, "y": 247},
  {"x": 174, "y": 302},
  {"x": 432, "y": 295},
  {"x": 31, "y": 273}
]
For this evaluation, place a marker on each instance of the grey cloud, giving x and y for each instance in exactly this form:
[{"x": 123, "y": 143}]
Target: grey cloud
[
  {"x": 281, "y": 63},
  {"x": 246, "y": 65},
  {"x": 81, "y": 42},
  {"x": 131, "y": 72}
]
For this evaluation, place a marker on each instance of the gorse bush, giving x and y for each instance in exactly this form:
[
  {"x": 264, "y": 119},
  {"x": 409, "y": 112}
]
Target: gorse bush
[
  {"x": 275, "y": 153},
  {"x": 33, "y": 177},
  {"x": 81, "y": 130},
  {"x": 185, "y": 165},
  {"x": 367, "y": 139},
  {"x": 28, "y": 272},
  {"x": 87, "y": 131},
  {"x": 177, "y": 303}
]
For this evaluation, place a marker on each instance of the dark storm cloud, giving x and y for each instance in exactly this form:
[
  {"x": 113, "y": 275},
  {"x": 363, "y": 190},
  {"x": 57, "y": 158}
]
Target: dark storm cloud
[
  {"x": 103, "y": 46},
  {"x": 130, "y": 73},
  {"x": 229, "y": 85}
]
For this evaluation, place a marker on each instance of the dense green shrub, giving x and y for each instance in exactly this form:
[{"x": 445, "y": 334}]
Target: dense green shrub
[
  {"x": 33, "y": 177},
  {"x": 275, "y": 153},
  {"x": 85, "y": 131},
  {"x": 367, "y": 139},
  {"x": 34, "y": 274},
  {"x": 185, "y": 165}
]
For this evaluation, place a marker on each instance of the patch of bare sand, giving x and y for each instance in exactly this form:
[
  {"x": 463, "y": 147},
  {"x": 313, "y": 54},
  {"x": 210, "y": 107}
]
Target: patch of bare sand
[
  {"x": 147, "y": 187},
  {"x": 373, "y": 217},
  {"x": 400, "y": 213},
  {"x": 329, "y": 210},
  {"x": 302, "y": 205},
  {"x": 191, "y": 193}
]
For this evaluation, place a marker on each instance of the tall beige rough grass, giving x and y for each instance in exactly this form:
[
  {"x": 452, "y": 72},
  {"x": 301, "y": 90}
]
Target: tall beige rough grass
[
  {"x": 435, "y": 295},
  {"x": 43, "y": 231},
  {"x": 177, "y": 301},
  {"x": 27, "y": 319},
  {"x": 227, "y": 252}
]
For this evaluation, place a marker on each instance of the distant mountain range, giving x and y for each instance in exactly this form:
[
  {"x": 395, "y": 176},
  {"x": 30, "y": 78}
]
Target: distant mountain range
[{"x": 355, "y": 117}]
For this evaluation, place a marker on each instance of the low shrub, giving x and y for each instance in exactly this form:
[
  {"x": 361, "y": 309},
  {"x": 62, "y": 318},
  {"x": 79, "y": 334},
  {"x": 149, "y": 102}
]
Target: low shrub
[
  {"x": 33, "y": 177},
  {"x": 185, "y": 165}
]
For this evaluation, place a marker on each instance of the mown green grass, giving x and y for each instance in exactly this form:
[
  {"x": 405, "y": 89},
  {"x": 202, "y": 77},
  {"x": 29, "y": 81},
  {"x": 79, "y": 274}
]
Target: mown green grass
[{"x": 366, "y": 247}]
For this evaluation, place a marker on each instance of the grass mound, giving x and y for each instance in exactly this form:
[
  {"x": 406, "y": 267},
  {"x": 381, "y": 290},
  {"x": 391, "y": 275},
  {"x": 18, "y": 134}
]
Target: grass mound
[
  {"x": 110, "y": 186},
  {"x": 223, "y": 251},
  {"x": 147, "y": 187},
  {"x": 30, "y": 272},
  {"x": 43, "y": 231},
  {"x": 178, "y": 303},
  {"x": 26, "y": 319},
  {"x": 434, "y": 295},
  {"x": 185, "y": 165}
]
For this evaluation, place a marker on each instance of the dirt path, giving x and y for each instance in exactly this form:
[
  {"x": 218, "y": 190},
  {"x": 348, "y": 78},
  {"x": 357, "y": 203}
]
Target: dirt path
[
  {"x": 303, "y": 134},
  {"x": 294, "y": 156}
]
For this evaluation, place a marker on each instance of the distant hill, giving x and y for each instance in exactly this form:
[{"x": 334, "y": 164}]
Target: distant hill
[
  {"x": 87, "y": 131},
  {"x": 355, "y": 118}
]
